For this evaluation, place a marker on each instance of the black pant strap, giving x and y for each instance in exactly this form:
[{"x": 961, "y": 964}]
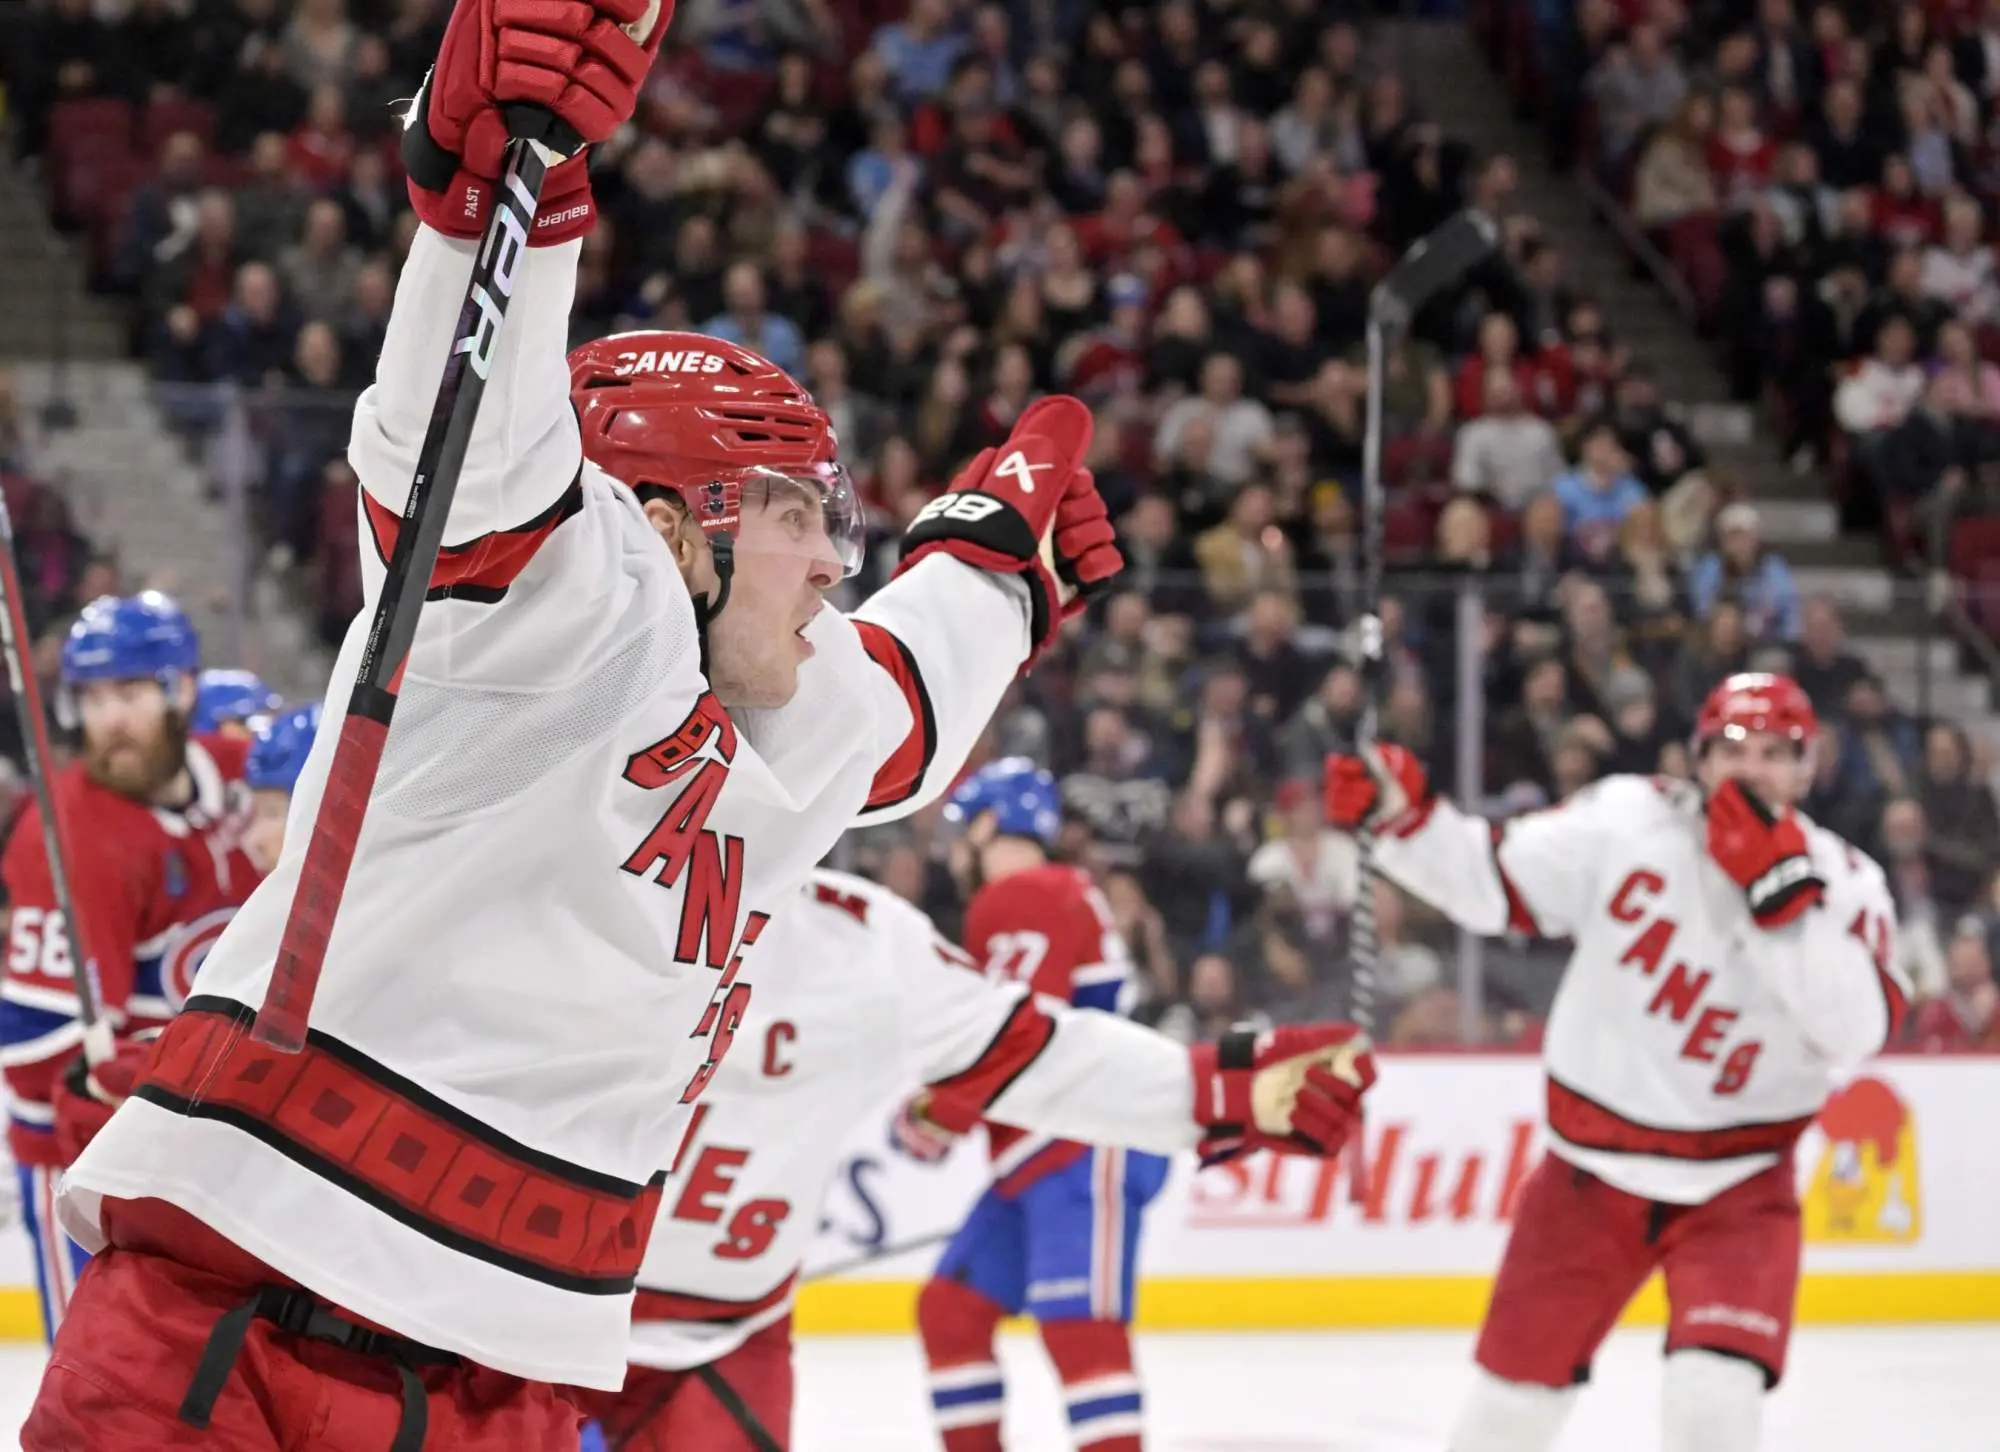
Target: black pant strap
[{"x": 294, "y": 1310}]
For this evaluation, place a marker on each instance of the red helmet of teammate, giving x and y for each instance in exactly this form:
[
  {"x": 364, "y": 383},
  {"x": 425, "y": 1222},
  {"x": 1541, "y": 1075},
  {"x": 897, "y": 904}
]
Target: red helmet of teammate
[
  {"x": 711, "y": 422},
  {"x": 1757, "y": 701}
]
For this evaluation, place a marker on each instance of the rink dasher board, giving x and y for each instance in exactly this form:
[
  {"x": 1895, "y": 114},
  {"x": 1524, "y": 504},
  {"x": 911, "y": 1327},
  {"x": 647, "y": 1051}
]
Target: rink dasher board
[{"x": 1899, "y": 1183}]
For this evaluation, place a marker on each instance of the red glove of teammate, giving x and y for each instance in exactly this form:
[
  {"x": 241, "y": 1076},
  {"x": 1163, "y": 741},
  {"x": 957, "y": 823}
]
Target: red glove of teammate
[
  {"x": 1764, "y": 853},
  {"x": 1293, "y": 1090},
  {"x": 1028, "y": 508},
  {"x": 85, "y": 1097},
  {"x": 1390, "y": 794},
  {"x": 918, "y": 1136},
  {"x": 562, "y": 72}
]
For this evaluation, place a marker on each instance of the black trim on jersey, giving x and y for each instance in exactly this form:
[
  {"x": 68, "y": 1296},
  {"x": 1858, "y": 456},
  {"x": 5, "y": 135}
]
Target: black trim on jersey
[
  {"x": 1770, "y": 1377},
  {"x": 1029, "y": 1062},
  {"x": 565, "y": 505},
  {"x": 361, "y": 1190},
  {"x": 396, "y": 1084},
  {"x": 927, "y": 722},
  {"x": 1026, "y": 1005}
]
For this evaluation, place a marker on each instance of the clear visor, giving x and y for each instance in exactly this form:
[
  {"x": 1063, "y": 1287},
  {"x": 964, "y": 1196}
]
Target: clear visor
[{"x": 814, "y": 513}]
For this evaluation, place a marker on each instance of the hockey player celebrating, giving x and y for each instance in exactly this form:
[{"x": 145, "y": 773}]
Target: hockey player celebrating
[
  {"x": 627, "y": 731},
  {"x": 1057, "y": 1236},
  {"x": 226, "y": 702},
  {"x": 1733, "y": 963},
  {"x": 711, "y": 1333},
  {"x": 279, "y": 745},
  {"x": 153, "y": 820}
]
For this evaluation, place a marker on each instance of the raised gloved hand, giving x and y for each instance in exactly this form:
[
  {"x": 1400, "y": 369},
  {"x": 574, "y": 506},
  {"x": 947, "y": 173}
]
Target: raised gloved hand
[
  {"x": 1028, "y": 508},
  {"x": 565, "y": 73},
  {"x": 1384, "y": 791},
  {"x": 85, "y": 1098},
  {"x": 1294, "y": 1090},
  {"x": 918, "y": 1136},
  {"x": 1764, "y": 853}
]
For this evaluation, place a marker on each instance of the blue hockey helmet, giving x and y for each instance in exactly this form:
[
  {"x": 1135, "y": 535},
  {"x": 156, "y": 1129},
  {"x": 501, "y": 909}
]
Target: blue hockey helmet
[
  {"x": 278, "y": 747},
  {"x": 1022, "y": 797},
  {"x": 131, "y": 637},
  {"x": 221, "y": 697}
]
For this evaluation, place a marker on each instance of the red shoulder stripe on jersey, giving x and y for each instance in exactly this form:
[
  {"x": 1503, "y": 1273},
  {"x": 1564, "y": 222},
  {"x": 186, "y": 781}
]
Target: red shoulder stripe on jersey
[
  {"x": 1585, "y": 1123},
  {"x": 672, "y": 1306},
  {"x": 1519, "y": 919},
  {"x": 480, "y": 570},
  {"x": 959, "y": 1102},
  {"x": 340, "y": 1115},
  {"x": 899, "y": 778},
  {"x": 1895, "y": 1003}
]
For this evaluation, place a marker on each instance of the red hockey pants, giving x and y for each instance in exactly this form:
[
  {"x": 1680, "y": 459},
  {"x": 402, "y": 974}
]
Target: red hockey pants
[{"x": 741, "y": 1402}]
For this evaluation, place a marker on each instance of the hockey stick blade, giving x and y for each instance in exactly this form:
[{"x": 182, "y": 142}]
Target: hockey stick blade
[
  {"x": 357, "y": 757},
  {"x": 16, "y": 642},
  {"x": 1433, "y": 263}
]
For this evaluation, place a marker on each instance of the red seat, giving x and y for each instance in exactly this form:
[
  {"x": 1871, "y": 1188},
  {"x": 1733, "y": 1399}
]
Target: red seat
[
  {"x": 168, "y": 115},
  {"x": 737, "y": 97},
  {"x": 82, "y": 133},
  {"x": 1408, "y": 528}
]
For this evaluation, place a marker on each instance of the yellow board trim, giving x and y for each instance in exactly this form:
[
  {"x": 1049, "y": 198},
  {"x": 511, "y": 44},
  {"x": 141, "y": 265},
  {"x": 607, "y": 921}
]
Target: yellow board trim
[
  {"x": 1322, "y": 1303},
  {"x": 1335, "y": 1303}
]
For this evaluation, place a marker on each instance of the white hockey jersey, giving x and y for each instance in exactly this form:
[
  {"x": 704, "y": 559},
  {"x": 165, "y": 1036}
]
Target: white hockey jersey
[
  {"x": 571, "y": 849},
  {"x": 863, "y": 1000},
  {"x": 1687, "y": 1048}
]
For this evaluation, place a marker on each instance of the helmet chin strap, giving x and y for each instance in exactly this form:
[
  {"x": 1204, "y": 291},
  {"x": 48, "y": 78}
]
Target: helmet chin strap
[{"x": 722, "y": 548}]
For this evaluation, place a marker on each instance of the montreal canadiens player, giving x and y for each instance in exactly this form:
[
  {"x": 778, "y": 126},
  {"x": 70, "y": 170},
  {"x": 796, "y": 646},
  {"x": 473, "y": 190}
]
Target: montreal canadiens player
[
  {"x": 279, "y": 745},
  {"x": 153, "y": 820},
  {"x": 226, "y": 702},
  {"x": 627, "y": 731},
  {"x": 1734, "y": 962},
  {"x": 878, "y": 1002},
  {"x": 1057, "y": 1235}
]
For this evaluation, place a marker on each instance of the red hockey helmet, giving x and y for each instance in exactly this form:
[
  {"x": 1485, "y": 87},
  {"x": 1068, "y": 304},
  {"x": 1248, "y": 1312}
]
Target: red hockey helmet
[
  {"x": 715, "y": 424},
  {"x": 1757, "y": 701}
]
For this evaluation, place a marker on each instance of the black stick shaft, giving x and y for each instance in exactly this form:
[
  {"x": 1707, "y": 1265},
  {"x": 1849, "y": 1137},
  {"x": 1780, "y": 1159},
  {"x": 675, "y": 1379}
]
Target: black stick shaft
[{"x": 281, "y": 1021}]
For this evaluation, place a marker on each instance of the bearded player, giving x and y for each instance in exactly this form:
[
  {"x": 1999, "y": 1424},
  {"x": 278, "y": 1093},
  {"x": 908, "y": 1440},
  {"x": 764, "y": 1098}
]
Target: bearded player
[
  {"x": 1734, "y": 963},
  {"x": 712, "y": 1333},
  {"x": 153, "y": 820},
  {"x": 626, "y": 731},
  {"x": 1057, "y": 1235}
]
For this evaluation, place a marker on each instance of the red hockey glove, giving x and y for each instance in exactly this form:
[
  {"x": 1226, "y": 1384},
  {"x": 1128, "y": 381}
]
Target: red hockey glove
[
  {"x": 1293, "y": 1090},
  {"x": 918, "y": 1136},
  {"x": 85, "y": 1098},
  {"x": 1028, "y": 508},
  {"x": 1764, "y": 853},
  {"x": 1388, "y": 792},
  {"x": 565, "y": 73}
]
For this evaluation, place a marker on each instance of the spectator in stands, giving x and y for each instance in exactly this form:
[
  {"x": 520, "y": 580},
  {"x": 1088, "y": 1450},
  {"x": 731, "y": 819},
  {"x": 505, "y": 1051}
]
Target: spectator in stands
[
  {"x": 321, "y": 147},
  {"x": 1523, "y": 739},
  {"x": 1717, "y": 646},
  {"x": 1307, "y": 869},
  {"x": 1902, "y": 295},
  {"x": 1964, "y": 824},
  {"x": 1958, "y": 269},
  {"x": 1637, "y": 84},
  {"x": 1849, "y": 156},
  {"x": 1966, "y": 1015},
  {"x": 319, "y": 44},
  {"x": 1246, "y": 552},
  {"x": 1240, "y": 428},
  {"x": 202, "y": 273},
  {"x": 1673, "y": 181},
  {"x": 920, "y": 50},
  {"x": 319, "y": 272},
  {"x": 1879, "y": 740},
  {"x": 1649, "y": 594},
  {"x": 1507, "y": 452},
  {"x": 1964, "y": 396},
  {"x": 1741, "y": 157},
  {"x": 1744, "y": 569},
  {"x": 162, "y": 217},
  {"x": 1601, "y": 490},
  {"x": 1214, "y": 1004},
  {"x": 254, "y": 338},
  {"x": 260, "y": 95},
  {"x": 1662, "y": 451},
  {"x": 1843, "y": 800},
  {"x": 1824, "y": 667},
  {"x": 745, "y": 320},
  {"x": 1905, "y": 860},
  {"x": 364, "y": 322},
  {"x": 1898, "y": 447},
  {"x": 271, "y": 201}
]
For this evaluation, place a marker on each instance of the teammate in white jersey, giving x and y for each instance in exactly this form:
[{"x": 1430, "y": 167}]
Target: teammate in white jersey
[
  {"x": 627, "y": 731},
  {"x": 1733, "y": 963},
  {"x": 876, "y": 1004}
]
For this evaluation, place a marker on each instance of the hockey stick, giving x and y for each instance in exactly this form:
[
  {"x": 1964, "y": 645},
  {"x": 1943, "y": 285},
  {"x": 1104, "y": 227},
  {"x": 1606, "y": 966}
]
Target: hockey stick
[
  {"x": 881, "y": 1253},
  {"x": 1433, "y": 264},
  {"x": 15, "y": 640},
  {"x": 357, "y": 757}
]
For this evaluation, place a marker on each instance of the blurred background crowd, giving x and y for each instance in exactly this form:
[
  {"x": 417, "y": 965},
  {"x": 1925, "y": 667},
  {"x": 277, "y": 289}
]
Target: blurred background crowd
[{"x": 933, "y": 211}]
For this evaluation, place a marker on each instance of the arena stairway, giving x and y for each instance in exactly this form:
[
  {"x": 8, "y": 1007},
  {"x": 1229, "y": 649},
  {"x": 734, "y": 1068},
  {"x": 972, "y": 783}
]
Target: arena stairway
[
  {"x": 131, "y": 484},
  {"x": 1450, "y": 80}
]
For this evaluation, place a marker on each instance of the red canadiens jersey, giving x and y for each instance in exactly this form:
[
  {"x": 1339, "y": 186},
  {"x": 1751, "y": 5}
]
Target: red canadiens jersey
[
  {"x": 154, "y": 888},
  {"x": 1050, "y": 928}
]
